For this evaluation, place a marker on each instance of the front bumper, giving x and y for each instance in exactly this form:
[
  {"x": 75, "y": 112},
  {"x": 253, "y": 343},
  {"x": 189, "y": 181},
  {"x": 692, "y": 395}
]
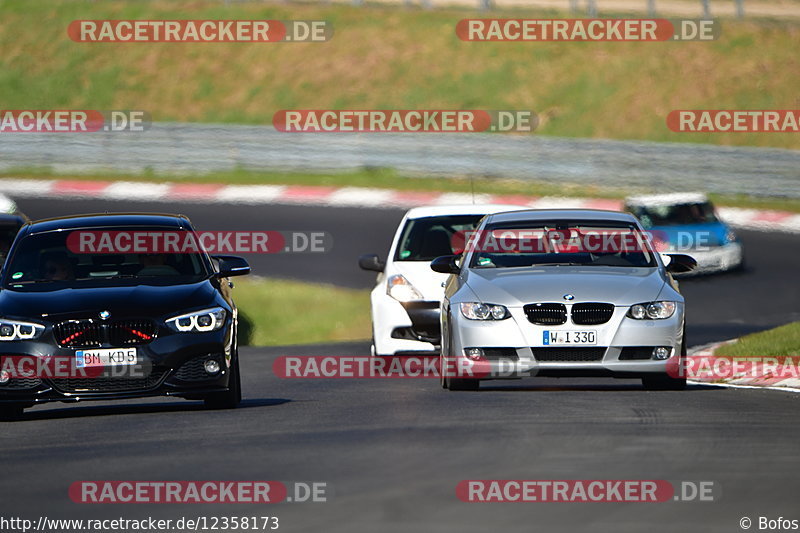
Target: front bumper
[
  {"x": 514, "y": 347},
  {"x": 405, "y": 327},
  {"x": 716, "y": 259},
  {"x": 171, "y": 365}
]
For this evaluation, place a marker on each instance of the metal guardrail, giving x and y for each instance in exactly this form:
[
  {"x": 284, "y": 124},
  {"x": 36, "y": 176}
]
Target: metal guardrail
[
  {"x": 201, "y": 148},
  {"x": 590, "y": 6},
  {"x": 694, "y": 9}
]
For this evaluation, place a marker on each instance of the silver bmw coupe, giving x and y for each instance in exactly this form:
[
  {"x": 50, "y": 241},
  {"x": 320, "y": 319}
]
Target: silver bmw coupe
[{"x": 561, "y": 293}]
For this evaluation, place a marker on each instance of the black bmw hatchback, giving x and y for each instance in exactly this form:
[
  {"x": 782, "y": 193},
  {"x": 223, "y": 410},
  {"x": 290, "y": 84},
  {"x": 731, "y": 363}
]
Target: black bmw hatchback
[{"x": 126, "y": 321}]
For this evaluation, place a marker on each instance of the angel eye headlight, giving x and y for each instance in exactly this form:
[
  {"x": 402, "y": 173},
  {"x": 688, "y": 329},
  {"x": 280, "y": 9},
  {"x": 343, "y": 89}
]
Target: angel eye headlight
[
  {"x": 482, "y": 311},
  {"x": 652, "y": 310},
  {"x": 13, "y": 330},
  {"x": 198, "y": 321}
]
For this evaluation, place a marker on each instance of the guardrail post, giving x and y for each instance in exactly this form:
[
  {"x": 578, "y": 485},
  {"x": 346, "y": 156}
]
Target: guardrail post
[
  {"x": 591, "y": 8},
  {"x": 706, "y": 9},
  {"x": 651, "y": 8},
  {"x": 740, "y": 8}
]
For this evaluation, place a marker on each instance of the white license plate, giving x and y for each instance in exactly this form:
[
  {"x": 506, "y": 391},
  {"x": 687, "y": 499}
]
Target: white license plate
[
  {"x": 553, "y": 337},
  {"x": 105, "y": 357}
]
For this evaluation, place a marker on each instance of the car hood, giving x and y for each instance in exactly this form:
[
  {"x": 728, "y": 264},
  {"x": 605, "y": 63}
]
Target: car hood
[
  {"x": 120, "y": 301},
  {"x": 514, "y": 287},
  {"x": 425, "y": 280}
]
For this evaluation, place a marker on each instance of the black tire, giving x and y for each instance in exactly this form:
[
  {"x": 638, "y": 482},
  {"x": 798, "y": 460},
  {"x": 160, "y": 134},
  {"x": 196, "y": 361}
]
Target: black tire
[
  {"x": 663, "y": 382},
  {"x": 11, "y": 411},
  {"x": 459, "y": 384},
  {"x": 231, "y": 397}
]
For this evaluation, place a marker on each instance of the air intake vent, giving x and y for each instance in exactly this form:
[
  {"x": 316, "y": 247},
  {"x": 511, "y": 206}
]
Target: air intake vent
[{"x": 554, "y": 355}]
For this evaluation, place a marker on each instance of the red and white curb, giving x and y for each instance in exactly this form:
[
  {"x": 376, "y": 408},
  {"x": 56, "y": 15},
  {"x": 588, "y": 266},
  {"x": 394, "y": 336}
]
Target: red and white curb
[
  {"x": 751, "y": 374},
  {"x": 362, "y": 197}
]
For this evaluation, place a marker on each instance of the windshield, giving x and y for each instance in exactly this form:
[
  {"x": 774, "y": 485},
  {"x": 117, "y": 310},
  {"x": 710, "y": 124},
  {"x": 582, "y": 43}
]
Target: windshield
[
  {"x": 674, "y": 215},
  {"x": 425, "y": 239},
  {"x": 49, "y": 258},
  {"x": 561, "y": 243}
]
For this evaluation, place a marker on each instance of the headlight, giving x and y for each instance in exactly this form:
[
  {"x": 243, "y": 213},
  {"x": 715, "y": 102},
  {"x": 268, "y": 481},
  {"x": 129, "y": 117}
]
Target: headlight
[
  {"x": 12, "y": 330},
  {"x": 652, "y": 310},
  {"x": 730, "y": 236},
  {"x": 481, "y": 311},
  {"x": 399, "y": 288},
  {"x": 198, "y": 321}
]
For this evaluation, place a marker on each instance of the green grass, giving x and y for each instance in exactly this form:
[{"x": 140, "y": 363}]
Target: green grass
[
  {"x": 390, "y": 179},
  {"x": 284, "y": 312},
  {"x": 783, "y": 341},
  {"x": 391, "y": 57}
]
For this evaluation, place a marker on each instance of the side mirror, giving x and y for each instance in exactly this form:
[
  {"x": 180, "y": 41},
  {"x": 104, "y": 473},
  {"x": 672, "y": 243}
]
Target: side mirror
[
  {"x": 679, "y": 263},
  {"x": 371, "y": 262},
  {"x": 446, "y": 264},
  {"x": 231, "y": 265}
]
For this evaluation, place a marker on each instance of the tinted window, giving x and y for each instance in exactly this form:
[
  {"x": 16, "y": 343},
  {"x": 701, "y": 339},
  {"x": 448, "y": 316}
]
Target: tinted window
[
  {"x": 425, "y": 239},
  {"x": 578, "y": 243},
  {"x": 674, "y": 215},
  {"x": 46, "y": 258}
]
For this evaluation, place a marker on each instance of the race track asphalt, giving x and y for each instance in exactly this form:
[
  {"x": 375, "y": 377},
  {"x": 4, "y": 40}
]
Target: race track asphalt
[
  {"x": 719, "y": 307},
  {"x": 392, "y": 451}
]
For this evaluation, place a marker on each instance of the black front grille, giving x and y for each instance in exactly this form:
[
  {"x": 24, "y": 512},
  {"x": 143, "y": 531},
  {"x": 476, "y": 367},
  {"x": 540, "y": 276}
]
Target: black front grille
[
  {"x": 568, "y": 354},
  {"x": 111, "y": 384},
  {"x": 546, "y": 314},
  {"x": 21, "y": 384},
  {"x": 78, "y": 334},
  {"x": 91, "y": 333},
  {"x": 636, "y": 353},
  {"x": 591, "y": 313},
  {"x": 193, "y": 370},
  {"x": 130, "y": 332}
]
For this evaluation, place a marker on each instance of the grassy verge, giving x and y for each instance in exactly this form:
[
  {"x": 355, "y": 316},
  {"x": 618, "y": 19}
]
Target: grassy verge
[
  {"x": 389, "y": 179},
  {"x": 783, "y": 341},
  {"x": 388, "y": 57},
  {"x": 284, "y": 312}
]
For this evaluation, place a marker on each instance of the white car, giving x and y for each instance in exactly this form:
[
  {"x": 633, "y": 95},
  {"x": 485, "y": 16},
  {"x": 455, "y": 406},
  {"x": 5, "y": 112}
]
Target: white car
[{"x": 407, "y": 295}]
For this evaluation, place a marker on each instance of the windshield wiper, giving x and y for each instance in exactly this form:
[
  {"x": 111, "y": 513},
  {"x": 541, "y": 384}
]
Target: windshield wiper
[{"x": 110, "y": 276}]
